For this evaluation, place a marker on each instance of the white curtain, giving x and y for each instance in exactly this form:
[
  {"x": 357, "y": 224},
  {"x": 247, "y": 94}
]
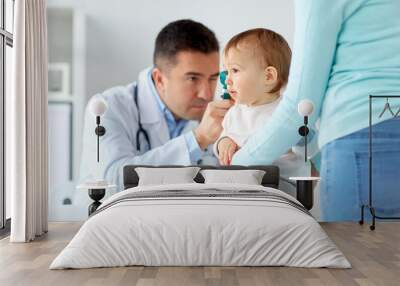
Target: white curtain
[{"x": 26, "y": 117}]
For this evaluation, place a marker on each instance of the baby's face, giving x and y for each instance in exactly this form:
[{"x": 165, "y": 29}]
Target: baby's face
[{"x": 246, "y": 76}]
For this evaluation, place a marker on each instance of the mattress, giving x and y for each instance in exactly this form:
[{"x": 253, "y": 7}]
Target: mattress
[{"x": 201, "y": 225}]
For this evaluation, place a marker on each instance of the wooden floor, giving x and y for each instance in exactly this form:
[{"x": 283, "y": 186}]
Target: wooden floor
[{"x": 375, "y": 257}]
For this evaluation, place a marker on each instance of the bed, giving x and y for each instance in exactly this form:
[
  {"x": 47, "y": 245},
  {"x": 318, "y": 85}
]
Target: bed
[{"x": 199, "y": 224}]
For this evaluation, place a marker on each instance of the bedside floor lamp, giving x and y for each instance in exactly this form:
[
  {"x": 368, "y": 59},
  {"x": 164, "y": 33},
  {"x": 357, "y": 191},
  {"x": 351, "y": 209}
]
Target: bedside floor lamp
[
  {"x": 98, "y": 107},
  {"x": 304, "y": 185},
  {"x": 97, "y": 188}
]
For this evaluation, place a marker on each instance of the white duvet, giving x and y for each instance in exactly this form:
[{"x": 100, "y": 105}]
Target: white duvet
[{"x": 200, "y": 231}]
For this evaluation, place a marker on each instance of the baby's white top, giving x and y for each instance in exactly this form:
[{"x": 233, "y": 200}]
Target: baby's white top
[{"x": 242, "y": 121}]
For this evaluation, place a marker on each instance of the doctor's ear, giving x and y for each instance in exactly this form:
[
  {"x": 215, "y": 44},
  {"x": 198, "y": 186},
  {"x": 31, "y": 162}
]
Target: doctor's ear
[
  {"x": 270, "y": 75},
  {"x": 159, "y": 79}
]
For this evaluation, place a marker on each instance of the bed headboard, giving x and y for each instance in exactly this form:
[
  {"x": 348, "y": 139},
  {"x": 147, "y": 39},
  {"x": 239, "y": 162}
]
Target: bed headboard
[{"x": 270, "y": 179}]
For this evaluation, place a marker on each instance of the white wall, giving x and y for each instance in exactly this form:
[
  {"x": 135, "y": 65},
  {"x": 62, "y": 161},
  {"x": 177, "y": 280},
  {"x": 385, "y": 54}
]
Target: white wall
[{"x": 121, "y": 34}]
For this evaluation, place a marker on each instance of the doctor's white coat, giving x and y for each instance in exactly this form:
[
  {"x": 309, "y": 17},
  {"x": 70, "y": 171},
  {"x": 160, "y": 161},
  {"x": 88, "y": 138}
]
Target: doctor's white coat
[{"x": 118, "y": 145}]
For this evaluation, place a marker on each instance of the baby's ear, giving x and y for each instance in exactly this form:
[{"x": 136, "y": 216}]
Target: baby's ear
[{"x": 271, "y": 75}]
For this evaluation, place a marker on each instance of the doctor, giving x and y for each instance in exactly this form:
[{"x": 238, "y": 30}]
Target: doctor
[{"x": 149, "y": 121}]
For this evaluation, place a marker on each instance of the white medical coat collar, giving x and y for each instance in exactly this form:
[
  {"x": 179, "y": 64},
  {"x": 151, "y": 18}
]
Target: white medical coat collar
[{"x": 147, "y": 100}]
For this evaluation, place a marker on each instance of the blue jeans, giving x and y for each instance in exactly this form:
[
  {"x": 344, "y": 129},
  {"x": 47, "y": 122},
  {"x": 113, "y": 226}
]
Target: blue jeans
[{"x": 344, "y": 173}]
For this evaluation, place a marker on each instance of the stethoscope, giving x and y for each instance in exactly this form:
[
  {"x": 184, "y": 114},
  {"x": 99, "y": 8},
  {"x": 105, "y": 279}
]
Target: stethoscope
[{"x": 141, "y": 132}]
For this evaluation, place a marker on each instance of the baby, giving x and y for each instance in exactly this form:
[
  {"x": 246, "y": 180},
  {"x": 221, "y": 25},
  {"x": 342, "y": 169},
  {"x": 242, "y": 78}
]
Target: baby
[{"x": 257, "y": 62}]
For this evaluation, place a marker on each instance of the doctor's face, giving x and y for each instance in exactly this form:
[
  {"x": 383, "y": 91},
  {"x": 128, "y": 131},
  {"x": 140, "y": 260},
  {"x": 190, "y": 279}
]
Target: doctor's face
[{"x": 188, "y": 85}]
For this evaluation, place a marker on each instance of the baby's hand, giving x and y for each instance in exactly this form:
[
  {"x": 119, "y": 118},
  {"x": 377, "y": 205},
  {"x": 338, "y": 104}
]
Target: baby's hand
[{"x": 226, "y": 148}]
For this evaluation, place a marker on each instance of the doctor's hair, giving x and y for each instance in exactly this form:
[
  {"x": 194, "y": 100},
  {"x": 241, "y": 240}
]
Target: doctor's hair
[
  {"x": 268, "y": 45},
  {"x": 183, "y": 35}
]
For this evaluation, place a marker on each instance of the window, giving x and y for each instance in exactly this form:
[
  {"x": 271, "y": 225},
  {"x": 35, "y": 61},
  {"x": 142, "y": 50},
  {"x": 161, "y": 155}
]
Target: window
[{"x": 6, "y": 44}]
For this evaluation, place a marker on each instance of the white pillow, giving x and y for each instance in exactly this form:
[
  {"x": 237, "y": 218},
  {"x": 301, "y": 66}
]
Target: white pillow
[
  {"x": 248, "y": 177},
  {"x": 164, "y": 176}
]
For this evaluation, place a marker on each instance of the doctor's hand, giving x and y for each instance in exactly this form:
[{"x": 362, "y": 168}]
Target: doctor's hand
[
  {"x": 226, "y": 148},
  {"x": 210, "y": 126}
]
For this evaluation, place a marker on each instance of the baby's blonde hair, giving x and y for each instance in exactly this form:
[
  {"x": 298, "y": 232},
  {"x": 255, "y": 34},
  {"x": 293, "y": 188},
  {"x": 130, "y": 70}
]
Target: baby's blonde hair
[{"x": 271, "y": 46}]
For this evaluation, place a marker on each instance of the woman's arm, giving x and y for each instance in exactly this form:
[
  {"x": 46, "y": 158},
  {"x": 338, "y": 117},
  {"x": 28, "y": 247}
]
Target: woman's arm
[{"x": 317, "y": 27}]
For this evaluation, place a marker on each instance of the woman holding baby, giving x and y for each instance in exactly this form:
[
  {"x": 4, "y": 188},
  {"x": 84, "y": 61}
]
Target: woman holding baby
[{"x": 343, "y": 52}]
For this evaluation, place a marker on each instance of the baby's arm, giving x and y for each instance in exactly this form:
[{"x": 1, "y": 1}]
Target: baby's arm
[
  {"x": 226, "y": 148},
  {"x": 225, "y": 131}
]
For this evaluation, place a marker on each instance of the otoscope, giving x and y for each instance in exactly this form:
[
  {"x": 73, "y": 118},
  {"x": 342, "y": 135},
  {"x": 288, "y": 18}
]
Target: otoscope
[{"x": 222, "y": 79}]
